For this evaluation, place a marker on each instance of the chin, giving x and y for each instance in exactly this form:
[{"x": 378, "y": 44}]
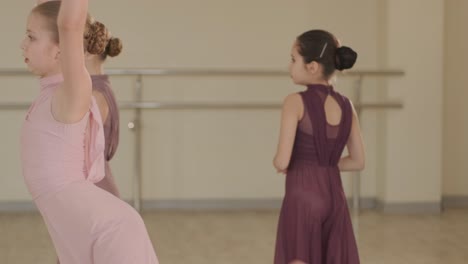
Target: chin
[
  {"x": 31, "y": 70},
  {"x": 297, "y": 82},
  {"x": 35, "y": 72},
  {"x": 39, "y": 74}
]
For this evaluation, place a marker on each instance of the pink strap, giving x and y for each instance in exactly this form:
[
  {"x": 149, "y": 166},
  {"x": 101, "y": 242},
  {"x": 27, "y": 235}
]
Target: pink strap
[{"x": 95, "y": 161}]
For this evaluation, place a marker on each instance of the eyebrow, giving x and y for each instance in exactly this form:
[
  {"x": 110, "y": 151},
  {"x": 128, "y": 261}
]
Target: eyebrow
[{"x": 30, "y": 32}]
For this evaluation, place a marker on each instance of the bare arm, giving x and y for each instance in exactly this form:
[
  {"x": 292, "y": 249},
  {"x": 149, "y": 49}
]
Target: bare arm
[
  {"x": 290, "y": 115},
  {"x": 355, "y": 161},
  {"x": 73, "y": 99}
]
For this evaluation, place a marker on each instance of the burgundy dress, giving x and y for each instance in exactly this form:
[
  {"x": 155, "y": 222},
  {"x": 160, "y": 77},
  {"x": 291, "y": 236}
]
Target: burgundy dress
[
  {"x": 102, "y": 84},
  {"x": 314, "y": 224}
]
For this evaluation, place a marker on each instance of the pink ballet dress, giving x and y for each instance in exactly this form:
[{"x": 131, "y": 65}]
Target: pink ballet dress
[{"x": 61, "y": 164}]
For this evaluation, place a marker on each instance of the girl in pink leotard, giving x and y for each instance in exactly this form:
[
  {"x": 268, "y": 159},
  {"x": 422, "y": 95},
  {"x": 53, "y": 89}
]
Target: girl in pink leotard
[
  {"x": 105, "y": 99},
  {"x": 62, "y": 145}
]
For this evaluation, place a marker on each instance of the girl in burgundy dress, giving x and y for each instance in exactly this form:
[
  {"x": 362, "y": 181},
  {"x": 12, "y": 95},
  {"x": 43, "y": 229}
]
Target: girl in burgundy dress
[
  {"x": 102, "y": 91},
  {"x": 316, "y": 125}
]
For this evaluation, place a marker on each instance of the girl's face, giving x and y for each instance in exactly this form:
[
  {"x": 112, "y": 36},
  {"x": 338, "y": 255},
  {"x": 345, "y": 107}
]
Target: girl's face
[
  {"x": 40, "y": 50},
  {"x": 297, "y": 67},
  {"x": 300, "y": 72}
]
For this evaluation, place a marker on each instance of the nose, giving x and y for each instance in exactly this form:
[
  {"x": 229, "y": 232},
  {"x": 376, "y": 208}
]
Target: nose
[{"x": 23, "y": 44}]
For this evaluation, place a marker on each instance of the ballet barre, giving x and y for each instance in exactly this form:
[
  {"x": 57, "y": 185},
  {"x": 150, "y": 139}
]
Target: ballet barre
[
  {"x": 138, "y": 105},
  {"x": 203, "y": 105},
  {"x": 213, "y": 72}
]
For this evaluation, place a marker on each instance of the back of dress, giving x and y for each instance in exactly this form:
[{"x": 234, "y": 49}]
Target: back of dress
[
  {"x": 102, "y": 84},
  {"x": 314, "y": 225},
  {"x": 317, "y": 141}
]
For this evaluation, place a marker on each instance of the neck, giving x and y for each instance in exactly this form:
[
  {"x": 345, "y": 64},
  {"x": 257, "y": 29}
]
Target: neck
[
  {"x": 51, "y": 73},
  {"x": 322, "y": 82},
  {"x": 94, "y": 68},
  {"x": 318, "y": 79}
]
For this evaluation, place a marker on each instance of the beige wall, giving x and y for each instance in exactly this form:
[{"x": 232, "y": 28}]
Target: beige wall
[
  {"x": 455, "y": 93},
  {"x": 227, "y": 154},
  {"x": 414, "y": 137}
]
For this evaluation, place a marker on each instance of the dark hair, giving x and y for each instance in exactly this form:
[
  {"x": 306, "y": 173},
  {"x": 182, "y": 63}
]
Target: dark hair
[
  {"x": 321, "y": 46},
  {"x": 94, "y": 42}
]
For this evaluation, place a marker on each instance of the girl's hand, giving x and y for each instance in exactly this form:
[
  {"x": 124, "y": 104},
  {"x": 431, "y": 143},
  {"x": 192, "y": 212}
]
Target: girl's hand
[{"x": 281, "y": 171}]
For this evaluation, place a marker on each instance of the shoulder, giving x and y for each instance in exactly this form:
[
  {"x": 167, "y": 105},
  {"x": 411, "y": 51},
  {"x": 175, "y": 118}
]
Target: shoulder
[
  {"x": 348, "y": 105},
  {"x": 293, "y": 105},
  {"x": 293, "y": 99}
]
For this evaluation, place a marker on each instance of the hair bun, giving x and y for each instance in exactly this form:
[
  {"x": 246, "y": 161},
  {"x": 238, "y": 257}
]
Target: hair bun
[
  {"x": 345, "y": 58},
  {"x": 114, "y": 47},
  {"x": 96, "y": 38}
]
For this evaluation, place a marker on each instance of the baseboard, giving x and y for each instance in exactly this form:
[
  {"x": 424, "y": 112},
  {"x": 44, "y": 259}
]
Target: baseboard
[
  {"x": 200, "y": 204},
  {"x": 264, "y": 204},
  {"x": 232, "y": 204},
  {"x": 366, "y": 203},
  {"x": 17, "y": 206},
  {"x": 455, "y": 201},
  {"x": 410, "y": 208},
  {"x": 212, "y": 204},
  {"x": 246, "y": 204},
  {"x": 150, "y": 205}
]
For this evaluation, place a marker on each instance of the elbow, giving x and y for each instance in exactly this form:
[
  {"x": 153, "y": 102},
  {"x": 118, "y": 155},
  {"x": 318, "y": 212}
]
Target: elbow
[{"x": 360, "y": 165}]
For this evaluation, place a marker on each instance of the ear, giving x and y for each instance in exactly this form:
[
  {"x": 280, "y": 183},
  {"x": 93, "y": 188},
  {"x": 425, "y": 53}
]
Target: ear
[{"x": 313, "y": 67}]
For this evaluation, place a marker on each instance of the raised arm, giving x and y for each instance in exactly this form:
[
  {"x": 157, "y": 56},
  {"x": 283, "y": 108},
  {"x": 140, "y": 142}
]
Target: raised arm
[{"x": 73, "y": 99}]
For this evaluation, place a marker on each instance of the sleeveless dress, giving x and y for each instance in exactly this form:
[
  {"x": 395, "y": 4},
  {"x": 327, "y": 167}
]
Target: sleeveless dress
[
  {"x": 314, "y": 224},
  {"x": 102, "y": 85},
  {"x": 61, "y": 164}
]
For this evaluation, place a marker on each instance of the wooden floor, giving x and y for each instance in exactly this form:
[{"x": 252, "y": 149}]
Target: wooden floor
[{"x": 235, "y": 237}]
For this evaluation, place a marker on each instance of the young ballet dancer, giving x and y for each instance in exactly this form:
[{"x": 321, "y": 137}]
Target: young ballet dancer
[
  {"x": 316, "y": 125},
  {"x": 104, "y": 95},
  {"x": 62, "y": 144}
]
